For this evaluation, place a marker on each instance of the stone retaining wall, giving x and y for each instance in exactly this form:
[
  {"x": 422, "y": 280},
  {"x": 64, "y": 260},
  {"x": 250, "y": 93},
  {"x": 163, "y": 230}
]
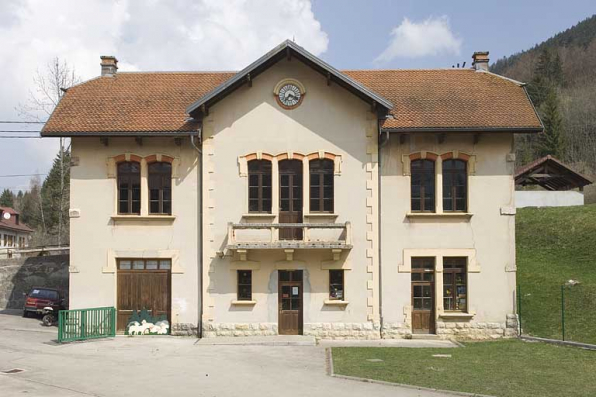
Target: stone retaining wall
[{"x": 19, "y": 275}]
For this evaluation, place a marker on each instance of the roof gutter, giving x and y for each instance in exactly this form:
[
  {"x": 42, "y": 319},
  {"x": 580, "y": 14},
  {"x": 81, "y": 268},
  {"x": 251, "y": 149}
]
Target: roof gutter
[
  {"x": 111, "y": 134},
  {"x": 465, "y": 129}
]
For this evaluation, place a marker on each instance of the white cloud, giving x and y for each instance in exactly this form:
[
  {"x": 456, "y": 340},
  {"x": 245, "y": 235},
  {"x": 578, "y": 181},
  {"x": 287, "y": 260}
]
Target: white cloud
[
  {"x": 144, "y": 35},
  {"x": 432, "y": 36}
]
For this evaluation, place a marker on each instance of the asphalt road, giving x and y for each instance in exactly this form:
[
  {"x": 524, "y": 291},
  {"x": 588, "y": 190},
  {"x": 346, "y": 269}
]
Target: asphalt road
[{"x": 165, "y": 366}]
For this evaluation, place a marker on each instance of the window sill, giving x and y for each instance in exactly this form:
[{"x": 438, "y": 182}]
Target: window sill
[
  {"x": 142, "y": 218},
  {"x": 465, "y": 215},
  {"x": 320, "y": 215},
  {"x": 243, "y": 303},
  {"x": 330, "y": 302},
  {"x": 467, "y": 316},
  {"x": 258, "y": 215}
]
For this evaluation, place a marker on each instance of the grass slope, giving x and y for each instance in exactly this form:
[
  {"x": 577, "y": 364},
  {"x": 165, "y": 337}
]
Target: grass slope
[
  {"x": 555, "y": 245},
  {"x": 509, "y": 368}
]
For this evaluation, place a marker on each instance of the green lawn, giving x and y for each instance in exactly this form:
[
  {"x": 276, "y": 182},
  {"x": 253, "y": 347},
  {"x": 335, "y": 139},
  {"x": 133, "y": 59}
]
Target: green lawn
[
  {"x": 555, "y": 245},
  {"x": 507, "y": 368}
]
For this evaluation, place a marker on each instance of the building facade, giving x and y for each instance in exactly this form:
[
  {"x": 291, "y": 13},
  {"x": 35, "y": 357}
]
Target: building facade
[
  {"x": 292, "y": 198},
  {"x": 14, "y": 234}
]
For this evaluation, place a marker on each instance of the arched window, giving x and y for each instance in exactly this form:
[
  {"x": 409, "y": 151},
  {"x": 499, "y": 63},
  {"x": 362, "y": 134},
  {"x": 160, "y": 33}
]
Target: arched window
[
  {"x": 259, "y": 186},
  {"x": 129, "y": 187},
  {"x": 423, "y": 185},
  {"x": 455, "y": 185},
  {"x": 160, "y": 188},
  {"x": 321, "y": 185}
]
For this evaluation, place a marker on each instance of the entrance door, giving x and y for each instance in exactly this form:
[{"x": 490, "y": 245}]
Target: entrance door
[
  {"x": 290, "y": 198},
  {"x": 423, "y": 295},
  {"x": 143, "y": 284},
  {"x": 290, "y": 302}
]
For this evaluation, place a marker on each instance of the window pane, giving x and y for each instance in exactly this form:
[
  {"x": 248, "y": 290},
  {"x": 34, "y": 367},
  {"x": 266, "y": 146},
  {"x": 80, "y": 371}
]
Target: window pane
[
  {"x": 315, "y": 179},
  {"x": 244, "y": 276},
  {"x": 284, "y": 275},
  {"x": 244, "y": 292},
  {"x": 315, "y": 205},
  {"x": 138, "y": 265},
  {"x": 151, "y": 265},
  {"x": 125, "y": 265},
  {"x": 328, "y": 205},
  {"x": 266, "y": 205},
  {"x": 165, "y": 264},
  {"x": 154, "y": 207}
]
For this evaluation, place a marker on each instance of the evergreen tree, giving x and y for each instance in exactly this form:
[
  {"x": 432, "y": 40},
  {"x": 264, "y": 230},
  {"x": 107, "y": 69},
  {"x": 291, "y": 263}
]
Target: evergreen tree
[
  {"x": 552, "y": 140},
  {"x": 55, "y": 197},
  {"x": 7, "y": 198}
]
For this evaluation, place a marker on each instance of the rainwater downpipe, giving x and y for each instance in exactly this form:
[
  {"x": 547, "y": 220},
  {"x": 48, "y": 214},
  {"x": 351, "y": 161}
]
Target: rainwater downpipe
[
  {"x": 381, "y": 145},
  {"x": 199, "y": 226}
]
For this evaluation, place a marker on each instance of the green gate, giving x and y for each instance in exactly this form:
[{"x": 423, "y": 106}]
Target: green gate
[{"x": 82, "y": 324}]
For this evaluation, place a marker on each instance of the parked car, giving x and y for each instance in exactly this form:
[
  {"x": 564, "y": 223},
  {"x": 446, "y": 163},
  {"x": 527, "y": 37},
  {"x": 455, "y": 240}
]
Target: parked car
[{"x": 40, "y": 297}]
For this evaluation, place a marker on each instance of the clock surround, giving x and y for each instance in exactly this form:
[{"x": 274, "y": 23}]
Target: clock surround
[{"x": 289, "y": 93}]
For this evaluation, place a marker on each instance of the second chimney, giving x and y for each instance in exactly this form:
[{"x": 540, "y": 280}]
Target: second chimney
[
  {"x": 480, "y": 60},
  {"x": 109, "y": 65}
]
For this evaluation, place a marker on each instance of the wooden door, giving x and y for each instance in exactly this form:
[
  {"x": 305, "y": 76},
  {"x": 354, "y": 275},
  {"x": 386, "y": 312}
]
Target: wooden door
[
  {"x": 423, "y": 295},
  {"x": 290, "y": 198},
  {"x": 140, "y": 286},
  {"x": 290, "y": 302}
]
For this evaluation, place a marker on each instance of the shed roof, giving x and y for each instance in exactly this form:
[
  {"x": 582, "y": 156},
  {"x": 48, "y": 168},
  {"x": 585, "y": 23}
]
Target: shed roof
[{"x": 551, "y": 174}]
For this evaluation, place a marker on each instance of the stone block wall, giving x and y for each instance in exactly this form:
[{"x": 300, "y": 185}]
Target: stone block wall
[{"x": 19, "y": 275}]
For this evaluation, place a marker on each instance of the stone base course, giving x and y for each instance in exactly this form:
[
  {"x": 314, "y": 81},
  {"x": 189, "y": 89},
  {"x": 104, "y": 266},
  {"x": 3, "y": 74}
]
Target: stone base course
[
  {"x": 446, "y": 329},
  {"x": 183, "y": 329},
  {"x": 366, "y": 330}
]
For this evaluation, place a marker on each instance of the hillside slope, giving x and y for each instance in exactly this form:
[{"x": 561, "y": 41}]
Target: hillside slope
[
  {"x": 555, "y": 245},
  {"x": 561, "y": 79}
]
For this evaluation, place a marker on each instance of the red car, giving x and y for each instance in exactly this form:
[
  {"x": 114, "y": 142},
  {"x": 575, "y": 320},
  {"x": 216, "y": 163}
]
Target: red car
[{"x": 40, "y": 297}]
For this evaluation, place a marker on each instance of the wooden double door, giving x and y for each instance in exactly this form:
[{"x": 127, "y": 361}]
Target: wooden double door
[
  {"x": 423, "y": 295},
  {"x": 140, "y": 289},
  {"x": 290, "y": 198},
  {"x": 290, "y": 301}
]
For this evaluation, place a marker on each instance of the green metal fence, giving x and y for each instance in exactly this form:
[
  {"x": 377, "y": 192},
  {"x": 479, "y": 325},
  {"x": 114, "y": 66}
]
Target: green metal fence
[
  {"x": 82, "y": 324},
  {"x": 565, "y": 312}
]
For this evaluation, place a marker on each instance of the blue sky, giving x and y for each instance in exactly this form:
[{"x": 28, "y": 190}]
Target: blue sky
[
  {"x": 229, "y": 34},
  {"x": 358, "y": 33}
]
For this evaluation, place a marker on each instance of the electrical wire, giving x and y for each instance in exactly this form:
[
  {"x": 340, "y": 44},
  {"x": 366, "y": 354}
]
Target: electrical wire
[{"x": 19, "y": 175}]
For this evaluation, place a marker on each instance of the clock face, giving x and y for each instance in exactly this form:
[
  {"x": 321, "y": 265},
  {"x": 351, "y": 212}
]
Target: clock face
[{"x": 289, "y": 95}]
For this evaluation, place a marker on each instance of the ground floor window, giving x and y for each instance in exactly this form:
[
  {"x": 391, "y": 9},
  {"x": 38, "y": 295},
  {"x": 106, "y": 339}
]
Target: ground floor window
[
  {"x": 336, "y": 285},
  {"x": 455, "y": 288},
  {"x": 244, "y": 285}
]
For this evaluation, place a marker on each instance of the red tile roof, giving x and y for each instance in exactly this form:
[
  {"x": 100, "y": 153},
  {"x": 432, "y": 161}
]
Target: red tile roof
[
  {"x": 458, "y": 99},
  {"x": 11, "y": 223}
]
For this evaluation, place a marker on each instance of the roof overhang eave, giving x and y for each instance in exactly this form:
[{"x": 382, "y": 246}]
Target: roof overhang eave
[
  {"x": 113, "y": 134},
  {"x": 241, "y": 77},
  {"x": 516, "y": 130}
]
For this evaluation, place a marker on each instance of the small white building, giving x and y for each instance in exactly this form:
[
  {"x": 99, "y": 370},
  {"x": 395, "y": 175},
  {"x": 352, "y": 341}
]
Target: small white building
[{"x": 560, "y": 185}]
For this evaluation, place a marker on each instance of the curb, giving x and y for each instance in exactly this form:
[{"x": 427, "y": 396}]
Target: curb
[
  {"x": 586, "y": 346},
  {"x": 330, "y": 372}
]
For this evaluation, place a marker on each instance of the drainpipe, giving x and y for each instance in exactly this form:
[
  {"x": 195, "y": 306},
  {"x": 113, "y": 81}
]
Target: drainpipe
[
  {"x": 199, "y": 227},
  {"x": 381, "y": 145}
]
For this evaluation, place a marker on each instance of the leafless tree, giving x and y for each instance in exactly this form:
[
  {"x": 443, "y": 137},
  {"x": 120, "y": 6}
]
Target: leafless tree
[{"x": 50, "y": 84}]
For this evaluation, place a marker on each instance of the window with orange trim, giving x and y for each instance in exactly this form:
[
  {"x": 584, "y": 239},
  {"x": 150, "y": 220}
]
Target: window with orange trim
[
  {"x": 160, "y": 188},
  {"x": 455, "y": 186},
  {"x": 129, "y": 187},
  {"x": 423, "y": 185}
]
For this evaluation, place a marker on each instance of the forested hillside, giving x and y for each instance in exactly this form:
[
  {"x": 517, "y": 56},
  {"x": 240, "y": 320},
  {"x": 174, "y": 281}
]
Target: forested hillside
[{"x": 561, "y": 77}]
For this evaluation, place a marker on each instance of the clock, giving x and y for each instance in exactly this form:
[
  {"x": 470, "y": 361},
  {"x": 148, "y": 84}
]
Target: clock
[{"x": 289, "y": 93}]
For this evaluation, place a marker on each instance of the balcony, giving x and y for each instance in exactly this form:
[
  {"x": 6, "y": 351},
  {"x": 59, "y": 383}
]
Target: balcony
[{"x": 247, "y": 236}]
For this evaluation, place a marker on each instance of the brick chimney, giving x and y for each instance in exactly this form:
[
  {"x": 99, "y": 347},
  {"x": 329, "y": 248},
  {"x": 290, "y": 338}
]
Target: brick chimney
[
  {"x": 109, "y": 65},
  {"x": 480, "y": 60}
]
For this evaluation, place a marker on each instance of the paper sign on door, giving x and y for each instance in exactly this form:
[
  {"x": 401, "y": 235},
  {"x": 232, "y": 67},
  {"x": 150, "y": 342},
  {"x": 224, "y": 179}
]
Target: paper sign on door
[{"x": 294, "y": 290}]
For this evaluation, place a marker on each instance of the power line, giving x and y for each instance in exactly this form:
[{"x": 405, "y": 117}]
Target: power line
[
  {"x": 21, "y": 131},
  {"x": 19, "y": 175},
  {"x": 20, "y": 137},
  {"x": 21, "y": 122}
]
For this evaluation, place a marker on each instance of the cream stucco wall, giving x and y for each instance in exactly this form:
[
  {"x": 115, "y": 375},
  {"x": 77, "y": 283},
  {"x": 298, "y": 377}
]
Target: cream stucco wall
[
  {"x": 97, "y": 238},
  {"x": 487, "y": 237},
  {"x": 249, "y": 121}
]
